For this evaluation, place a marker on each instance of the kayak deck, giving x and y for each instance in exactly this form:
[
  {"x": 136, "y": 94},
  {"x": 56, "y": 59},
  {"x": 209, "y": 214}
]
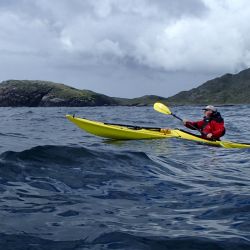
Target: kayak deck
[
  {"x": 130, "y": 132},
  {"x": 120, "y": 132}
]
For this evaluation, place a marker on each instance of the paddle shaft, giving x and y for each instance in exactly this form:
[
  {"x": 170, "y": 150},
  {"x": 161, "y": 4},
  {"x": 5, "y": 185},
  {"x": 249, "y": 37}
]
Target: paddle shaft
[
  {"x": 176, "y": 117},
  {"x": 183, "y": 121}
]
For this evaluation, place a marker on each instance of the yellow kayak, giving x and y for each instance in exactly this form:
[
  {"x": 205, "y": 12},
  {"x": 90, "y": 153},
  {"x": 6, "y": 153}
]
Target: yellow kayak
[{"x": 129, "y": 132}]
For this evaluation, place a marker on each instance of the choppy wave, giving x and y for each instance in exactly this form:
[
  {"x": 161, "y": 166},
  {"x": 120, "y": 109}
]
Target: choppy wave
[
  {"x": 71, "y": 197},
  {"x": 61, "y": 188},
  {"x": 120, "y": 240}
]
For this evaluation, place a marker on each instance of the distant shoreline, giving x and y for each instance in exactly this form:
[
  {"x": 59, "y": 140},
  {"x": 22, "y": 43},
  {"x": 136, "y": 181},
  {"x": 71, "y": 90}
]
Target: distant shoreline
[{"x": 228, "y": 90}]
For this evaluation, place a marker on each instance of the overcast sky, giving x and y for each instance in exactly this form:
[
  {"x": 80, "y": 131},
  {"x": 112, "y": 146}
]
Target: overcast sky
[{"x": 125, "y": 48}]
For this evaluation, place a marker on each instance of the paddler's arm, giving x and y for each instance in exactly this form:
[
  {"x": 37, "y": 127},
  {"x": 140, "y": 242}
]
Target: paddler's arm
[
  {"x": 193, "y": 125},
  {"x": 220, "y": 131},
  {"x": 216, "y": 134}
]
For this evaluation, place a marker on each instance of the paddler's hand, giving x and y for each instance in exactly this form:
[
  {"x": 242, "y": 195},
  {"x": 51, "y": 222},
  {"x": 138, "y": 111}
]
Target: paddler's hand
[
  {"x": 209, "y": 136},
  {"x": 165, "y": 130},
  {"x": 185, "y": 122}
]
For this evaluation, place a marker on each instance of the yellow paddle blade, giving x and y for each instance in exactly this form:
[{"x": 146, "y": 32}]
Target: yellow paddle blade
[{"x": 162, "y": 108}]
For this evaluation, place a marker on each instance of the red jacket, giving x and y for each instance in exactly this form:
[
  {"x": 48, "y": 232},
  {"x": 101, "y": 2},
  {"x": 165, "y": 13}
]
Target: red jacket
[{"x": 213, "y": 125}]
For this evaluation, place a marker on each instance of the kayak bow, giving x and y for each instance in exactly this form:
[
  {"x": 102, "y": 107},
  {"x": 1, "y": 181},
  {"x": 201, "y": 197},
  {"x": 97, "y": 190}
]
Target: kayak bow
[
  {"x": 119, "y": 132},
  {"x": 130, "y": 132}
]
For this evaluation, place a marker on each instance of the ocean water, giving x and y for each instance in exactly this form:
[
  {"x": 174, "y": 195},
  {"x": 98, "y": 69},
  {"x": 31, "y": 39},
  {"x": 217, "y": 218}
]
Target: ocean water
[{"x": 61, "y": 188}]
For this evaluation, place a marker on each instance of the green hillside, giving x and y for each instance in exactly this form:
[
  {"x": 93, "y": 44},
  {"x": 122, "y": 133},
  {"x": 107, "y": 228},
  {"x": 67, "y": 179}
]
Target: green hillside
[
  {"x": 228, "y": 89},
  {"x": 18, "y": 93}
]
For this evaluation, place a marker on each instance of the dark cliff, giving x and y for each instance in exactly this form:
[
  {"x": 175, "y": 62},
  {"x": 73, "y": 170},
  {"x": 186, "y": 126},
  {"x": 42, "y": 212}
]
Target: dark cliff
[
  {"x": 17, "y": 93},
  {"x": 227, "y": 89}
]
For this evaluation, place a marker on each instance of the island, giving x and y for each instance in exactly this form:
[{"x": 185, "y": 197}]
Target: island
[{"x": 227, "y": 89}]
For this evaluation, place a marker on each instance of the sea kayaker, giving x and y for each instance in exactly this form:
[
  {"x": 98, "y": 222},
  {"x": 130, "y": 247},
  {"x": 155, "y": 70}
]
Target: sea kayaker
[{"x": 211, "y": 127}]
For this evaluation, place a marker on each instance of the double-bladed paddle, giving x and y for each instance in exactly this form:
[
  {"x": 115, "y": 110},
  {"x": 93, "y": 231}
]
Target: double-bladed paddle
[
  {"x": 165, "y": 110},
  {"x": 226, "y": 144},
  {"x": 160, "y": 107}
]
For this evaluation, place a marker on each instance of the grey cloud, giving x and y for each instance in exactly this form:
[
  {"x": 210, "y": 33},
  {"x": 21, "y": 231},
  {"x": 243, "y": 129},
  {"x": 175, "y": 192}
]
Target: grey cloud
[
  {"x": 82, "y": 25},
  {"x": 196, "y": 37}
]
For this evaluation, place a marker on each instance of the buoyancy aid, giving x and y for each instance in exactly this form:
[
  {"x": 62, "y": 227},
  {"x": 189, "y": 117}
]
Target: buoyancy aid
[{"x": 213, "y": 125}]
